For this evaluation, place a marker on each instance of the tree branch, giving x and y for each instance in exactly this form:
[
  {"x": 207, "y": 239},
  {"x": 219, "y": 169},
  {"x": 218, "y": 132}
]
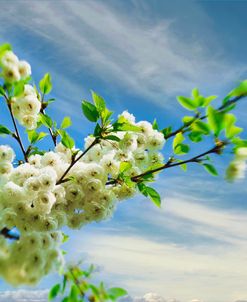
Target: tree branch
[
  {"x": 184, "y": 128},
  {"x": 170, "y": 163},
  {"x": 16, "y": 135},
  {"x": 74, "y": 161}
]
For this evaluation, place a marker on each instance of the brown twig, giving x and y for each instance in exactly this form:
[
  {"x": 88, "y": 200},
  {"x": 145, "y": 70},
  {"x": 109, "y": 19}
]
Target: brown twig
[
  {"x": 74, "y": 161},
  {"x": 185, "y": 127},
  {"x": 171, "y": 163}
]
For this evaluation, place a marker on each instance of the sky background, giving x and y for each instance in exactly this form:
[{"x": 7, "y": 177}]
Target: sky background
[{"x": 139, "y": 55}]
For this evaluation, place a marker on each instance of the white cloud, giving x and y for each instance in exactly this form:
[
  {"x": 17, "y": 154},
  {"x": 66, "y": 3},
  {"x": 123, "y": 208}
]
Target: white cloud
[
  {"x": 148, "y": 57},
  {"x": 214, "y": 272},
  {"x": 23, "y": 295}
]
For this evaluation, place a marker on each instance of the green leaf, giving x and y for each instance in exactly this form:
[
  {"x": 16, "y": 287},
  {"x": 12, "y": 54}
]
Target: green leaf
[
  {"x": 125, "y": 127},
  {"x": 54, "y": 292},
  {"x": 19, "y": 88},
  {"x": 97, "y": 130},
  {"x": 90, "y": 111},
  {"x": 66, "y": 122},
  {"x": 155, "y": 125},
  {"x": 98, "y": 102},
  {"x": 3, "y": 48},
  {"x": 240, "y": 90},
  {"x": 188, "y": 119},
  {"x": 4, "y": 130},
  {"x": 166, "y": 131},
  {"x": 124, "y": 166},
  {"x": 178, "y": 139},
  {"x": 201, "y": 127},
  {"x": 117, "y": 292},
  {"x": 106, "y": 114},
  {"x": 230, "y": 129},
  {"x": 45, "y": 84},
  {"x": 208, "y": 100},
  {"x": 151, "y": 193},
  {"x": 210, "y": 169},
  {"x": 65, "y": 238},
  {"x": 195, "y": 93},
  {"x": 2, "y": 91},
  {"x": 239, "y": 142},
  {"x": 182, "y": 166},
  {"x": 74, "y": 292},
  {"x": 45, "y": 120},
  {"x": 112, "y": 138},
  {"x": 195, "y": 136},
  {"x": 215, "y": 120},
  {"x": 34, "y": 136},
  {"x": 187, "y": 103},
  {"x": 66, "y": 140},
  {"x": 181, "y": 149}
]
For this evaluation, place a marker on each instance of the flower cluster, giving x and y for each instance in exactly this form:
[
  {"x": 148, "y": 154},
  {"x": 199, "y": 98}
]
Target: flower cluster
[
  {"x": 31, "y": 257},
  {"x": 14, "y": 70},
  {"x": 237, "y": 168},
  {"x": 26, "y": 107},
  {"x": 32, "y": 200}
]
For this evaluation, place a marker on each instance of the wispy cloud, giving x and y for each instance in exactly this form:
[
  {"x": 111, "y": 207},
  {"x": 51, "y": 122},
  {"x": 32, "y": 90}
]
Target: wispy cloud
[
  {"x": 209, "y": 271},
  {"x": 23, "y": 295},
  {"x": 145, "y": 55}
]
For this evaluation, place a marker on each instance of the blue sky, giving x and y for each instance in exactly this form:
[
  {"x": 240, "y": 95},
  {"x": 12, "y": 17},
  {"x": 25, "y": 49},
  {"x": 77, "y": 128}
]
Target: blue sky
[{"x": 139, "y": 55}]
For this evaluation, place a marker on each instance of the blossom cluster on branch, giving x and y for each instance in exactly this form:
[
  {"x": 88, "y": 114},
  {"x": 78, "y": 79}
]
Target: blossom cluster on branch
[{"x": 66, "y": 186}]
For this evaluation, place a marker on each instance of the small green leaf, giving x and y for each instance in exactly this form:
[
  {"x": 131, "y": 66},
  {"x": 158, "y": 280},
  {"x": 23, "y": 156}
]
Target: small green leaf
[
  {"x": 166, "y": 131},
  {"x": 117, "y": 292},
  {"x": 240, "y": 90},
  {"x": 178, "y": 139},
  {"x": 66, "y": 140},
  {"x": 3, "y": 48},
  {"x": 2, "y": 91},
  {"x": 195, "y": 137},
  {"x": 208, "y": 100},
  {"x": 98, "y": 102},
  {"x": 151, "y": 193},
  {"x": 112, "y": 138},
  {"x": 230, "y": 129},
  {"x": 181, "y": 149},
  {"x": 45, "y": 84},
  {"x": 125, "y": 127},
  {"x": 155, "y": 125},
  {"x": 34, "y": 136},
  {"x": 210, "y": 169},
  {"x": 65, "y": 238},
  {"x": 45, "y": 120},
  {"x": 215, "y": 120},
  {"x": 201, "y": 127},
  {"x": 74, "y": 292},
  {"x": 4, "y": 130},
  {"x": 188, "y": 119},
  {"x": 195, "y": 93},
  {"x": 66, "y": 122},
  {"x": 106, "y": 114},
  {"x": 187, "y": 103},
  {"x": 54, "y": 292},
  {"x": 124, "y": 166},
  {"x": 90, "y": 111}
]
